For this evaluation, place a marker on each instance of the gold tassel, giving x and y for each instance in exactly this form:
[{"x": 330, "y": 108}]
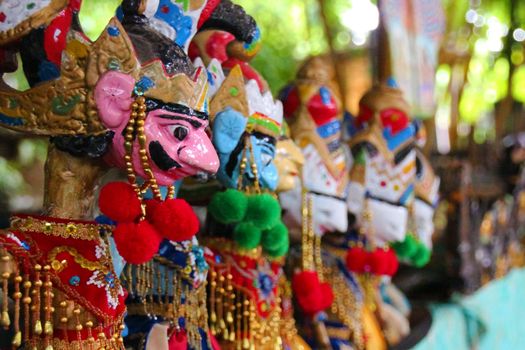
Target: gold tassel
[
  {"x": 37, "y": 297},
  {"x": 26, "y": 301},
  {"x": 17, "y": 340},
  {"x": 6, "y": 321},
  {"x": 48, "y": 306},
  {"x": 246, "y": 323},
  {"x": 64, "y": 319},
  {"x": 129, "y": 279},
  {"x": 213, "y": 305},
  {"x": 220, "y": 301}
]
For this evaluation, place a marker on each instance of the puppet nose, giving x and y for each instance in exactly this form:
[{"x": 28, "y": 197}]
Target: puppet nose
[{"x": 200, "y": 153}]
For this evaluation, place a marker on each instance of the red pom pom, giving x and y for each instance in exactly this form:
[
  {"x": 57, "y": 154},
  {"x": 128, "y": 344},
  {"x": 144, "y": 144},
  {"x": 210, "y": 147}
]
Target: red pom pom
[
  {"x": 380, "y": 262},
  {"x": 136, "y": 243},
  {"x": 327, "y": 295},
  {"x": 178, "y": 341},
  {"x": 304, "y": 280},
  {"x": 357, "y": 259},
  {"x": 312, "y": 296},
  {"x": 393, "y": 262},
  {"x": 119, "y": 202},
  {"x": 174, "y": 219}
]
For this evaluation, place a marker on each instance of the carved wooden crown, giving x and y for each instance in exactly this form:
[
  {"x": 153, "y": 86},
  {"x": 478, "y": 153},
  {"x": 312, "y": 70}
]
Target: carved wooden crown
[{"x": 66, "y": 106}]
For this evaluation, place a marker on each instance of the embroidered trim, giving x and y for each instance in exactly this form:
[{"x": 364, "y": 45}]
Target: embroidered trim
[
  {"x": 79, "y": 259},
  {"x": 65, "y": 229}
]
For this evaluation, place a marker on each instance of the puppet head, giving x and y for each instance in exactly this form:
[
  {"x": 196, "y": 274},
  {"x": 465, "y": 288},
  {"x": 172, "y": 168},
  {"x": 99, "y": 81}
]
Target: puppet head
[
  {"x": 383, "y": 174},
  {"x": 246, "y": 125},
  {"x": 289, "y": 161},
  {"x": 312, "y": 110},
  {"x": 132, "y": 96}
]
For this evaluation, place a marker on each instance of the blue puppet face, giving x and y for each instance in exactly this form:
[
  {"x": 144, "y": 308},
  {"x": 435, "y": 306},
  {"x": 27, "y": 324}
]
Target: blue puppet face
[{"x": 229, "y": 141}]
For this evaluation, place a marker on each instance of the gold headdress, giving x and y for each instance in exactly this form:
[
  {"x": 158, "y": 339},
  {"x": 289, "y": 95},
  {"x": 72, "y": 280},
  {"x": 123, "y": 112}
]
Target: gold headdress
[
  {"x": 36, "y": 14},
  {"x": 66, "y": 106},
  {"x": 263, "y": 112}
]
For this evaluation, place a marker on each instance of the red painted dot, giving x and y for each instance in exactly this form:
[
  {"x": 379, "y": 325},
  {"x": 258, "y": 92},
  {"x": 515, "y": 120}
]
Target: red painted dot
[
  {"x": 165, "y": 9},
  {"x": 2, "y": 17},
  {"x": 383, "y": 184}
]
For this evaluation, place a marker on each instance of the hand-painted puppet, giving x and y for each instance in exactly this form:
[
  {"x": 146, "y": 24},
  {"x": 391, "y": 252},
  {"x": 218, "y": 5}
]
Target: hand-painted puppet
[
  {"x": 329, "y": 297},
  {"x": 180, "y": 261},
  {"x": 131, "y": 99}
]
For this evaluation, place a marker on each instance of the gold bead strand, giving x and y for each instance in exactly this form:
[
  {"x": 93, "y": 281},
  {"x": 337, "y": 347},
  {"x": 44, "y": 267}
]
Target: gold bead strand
[
  {"x": 304, "y": 230},
  {"x": 220, "y": 304},
  {"x": 317, "y": 256},
  {"x": 37, "y": 297},
  {"x": 238, "y": 316},
  {"x": 6, "y": 321},
  {"x": 48, "y": 306},
  {"x": 90, "y": 338},
  {"x": 27, "y": 301},
  {"x": 213, "y": 305},
  {"x": 64, "y": 319},
  {"x": 171, "y": 192},
  {"x": 242, "y": 168},
  {"x": 231, "y": 312},
  {"x": 130, "y": 280},
  {"x": 311, "y": 232},
  {"x": 17, "y": 339},
  {"x": 150, "y": 291},
  {"x": 253, "y": 166},
  {"x": 158, "y": 275},
  {"x": 144, "y": 159},
  {"x": 128, "y": 145},
  {"x": 251, "y": 322},
  {"x": 246, "y": 322}
]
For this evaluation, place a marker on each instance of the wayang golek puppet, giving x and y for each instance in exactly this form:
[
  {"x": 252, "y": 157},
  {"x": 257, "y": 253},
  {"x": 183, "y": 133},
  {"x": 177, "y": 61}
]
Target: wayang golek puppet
[
  {"x": 245, "y": 234},
  {"x": 130, "y": 99},
  {"x": 393, "y": 192},
  {"x": 330, "y": 301},
  {"x": 153, "y": 318}
]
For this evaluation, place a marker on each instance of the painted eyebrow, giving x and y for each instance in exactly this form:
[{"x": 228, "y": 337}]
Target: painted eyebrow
[
  {"x": 153, "y": 104},
  {"x": 193, "y": 123},
  {"x": 267, "y": 146}
]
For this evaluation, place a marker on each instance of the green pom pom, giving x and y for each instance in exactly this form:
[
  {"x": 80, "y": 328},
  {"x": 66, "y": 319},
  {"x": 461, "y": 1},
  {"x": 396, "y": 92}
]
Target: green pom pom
[
  {"x": 280, "y": 250},
  {"x": 263, "y": 211},
  {"x": 228, "y": 207},
  {"x": 421, "y": 256},
  {"x": 247, "y": 235},
  {"x": 407, "y": 248},
  {"x": 275, "y": 237}
]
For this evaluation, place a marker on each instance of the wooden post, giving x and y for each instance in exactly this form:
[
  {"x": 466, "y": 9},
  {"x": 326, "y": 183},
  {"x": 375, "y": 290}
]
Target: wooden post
[
  {"x": 70, "y": 184},
  {"x": 384, "y": 63}
]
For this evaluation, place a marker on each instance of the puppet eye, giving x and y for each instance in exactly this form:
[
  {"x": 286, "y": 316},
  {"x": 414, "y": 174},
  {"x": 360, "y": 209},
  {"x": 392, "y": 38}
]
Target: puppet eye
[
  {"x": 266, "y": 158},
  {"x": 180, "y": 132}
]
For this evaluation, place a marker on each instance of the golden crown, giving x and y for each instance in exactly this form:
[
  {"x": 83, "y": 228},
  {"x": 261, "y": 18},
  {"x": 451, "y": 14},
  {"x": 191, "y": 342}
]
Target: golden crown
[{"x": 66, "y": 105}]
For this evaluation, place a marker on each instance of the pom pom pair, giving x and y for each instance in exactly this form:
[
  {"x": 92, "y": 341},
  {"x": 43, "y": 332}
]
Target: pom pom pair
[
  {"x": 257, "y": 219},
  {"x": 412, "y": 251},
  {"x": 313, "y": 296},
  {"x": 138, "y": 240},
  {"x": 381, "y": 262},
  {"x": 233, "y": 206}
]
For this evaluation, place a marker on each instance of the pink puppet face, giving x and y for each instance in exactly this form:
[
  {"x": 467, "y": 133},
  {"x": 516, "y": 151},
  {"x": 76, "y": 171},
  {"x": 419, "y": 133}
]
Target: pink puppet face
[{"x": 176, "y": 141}]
